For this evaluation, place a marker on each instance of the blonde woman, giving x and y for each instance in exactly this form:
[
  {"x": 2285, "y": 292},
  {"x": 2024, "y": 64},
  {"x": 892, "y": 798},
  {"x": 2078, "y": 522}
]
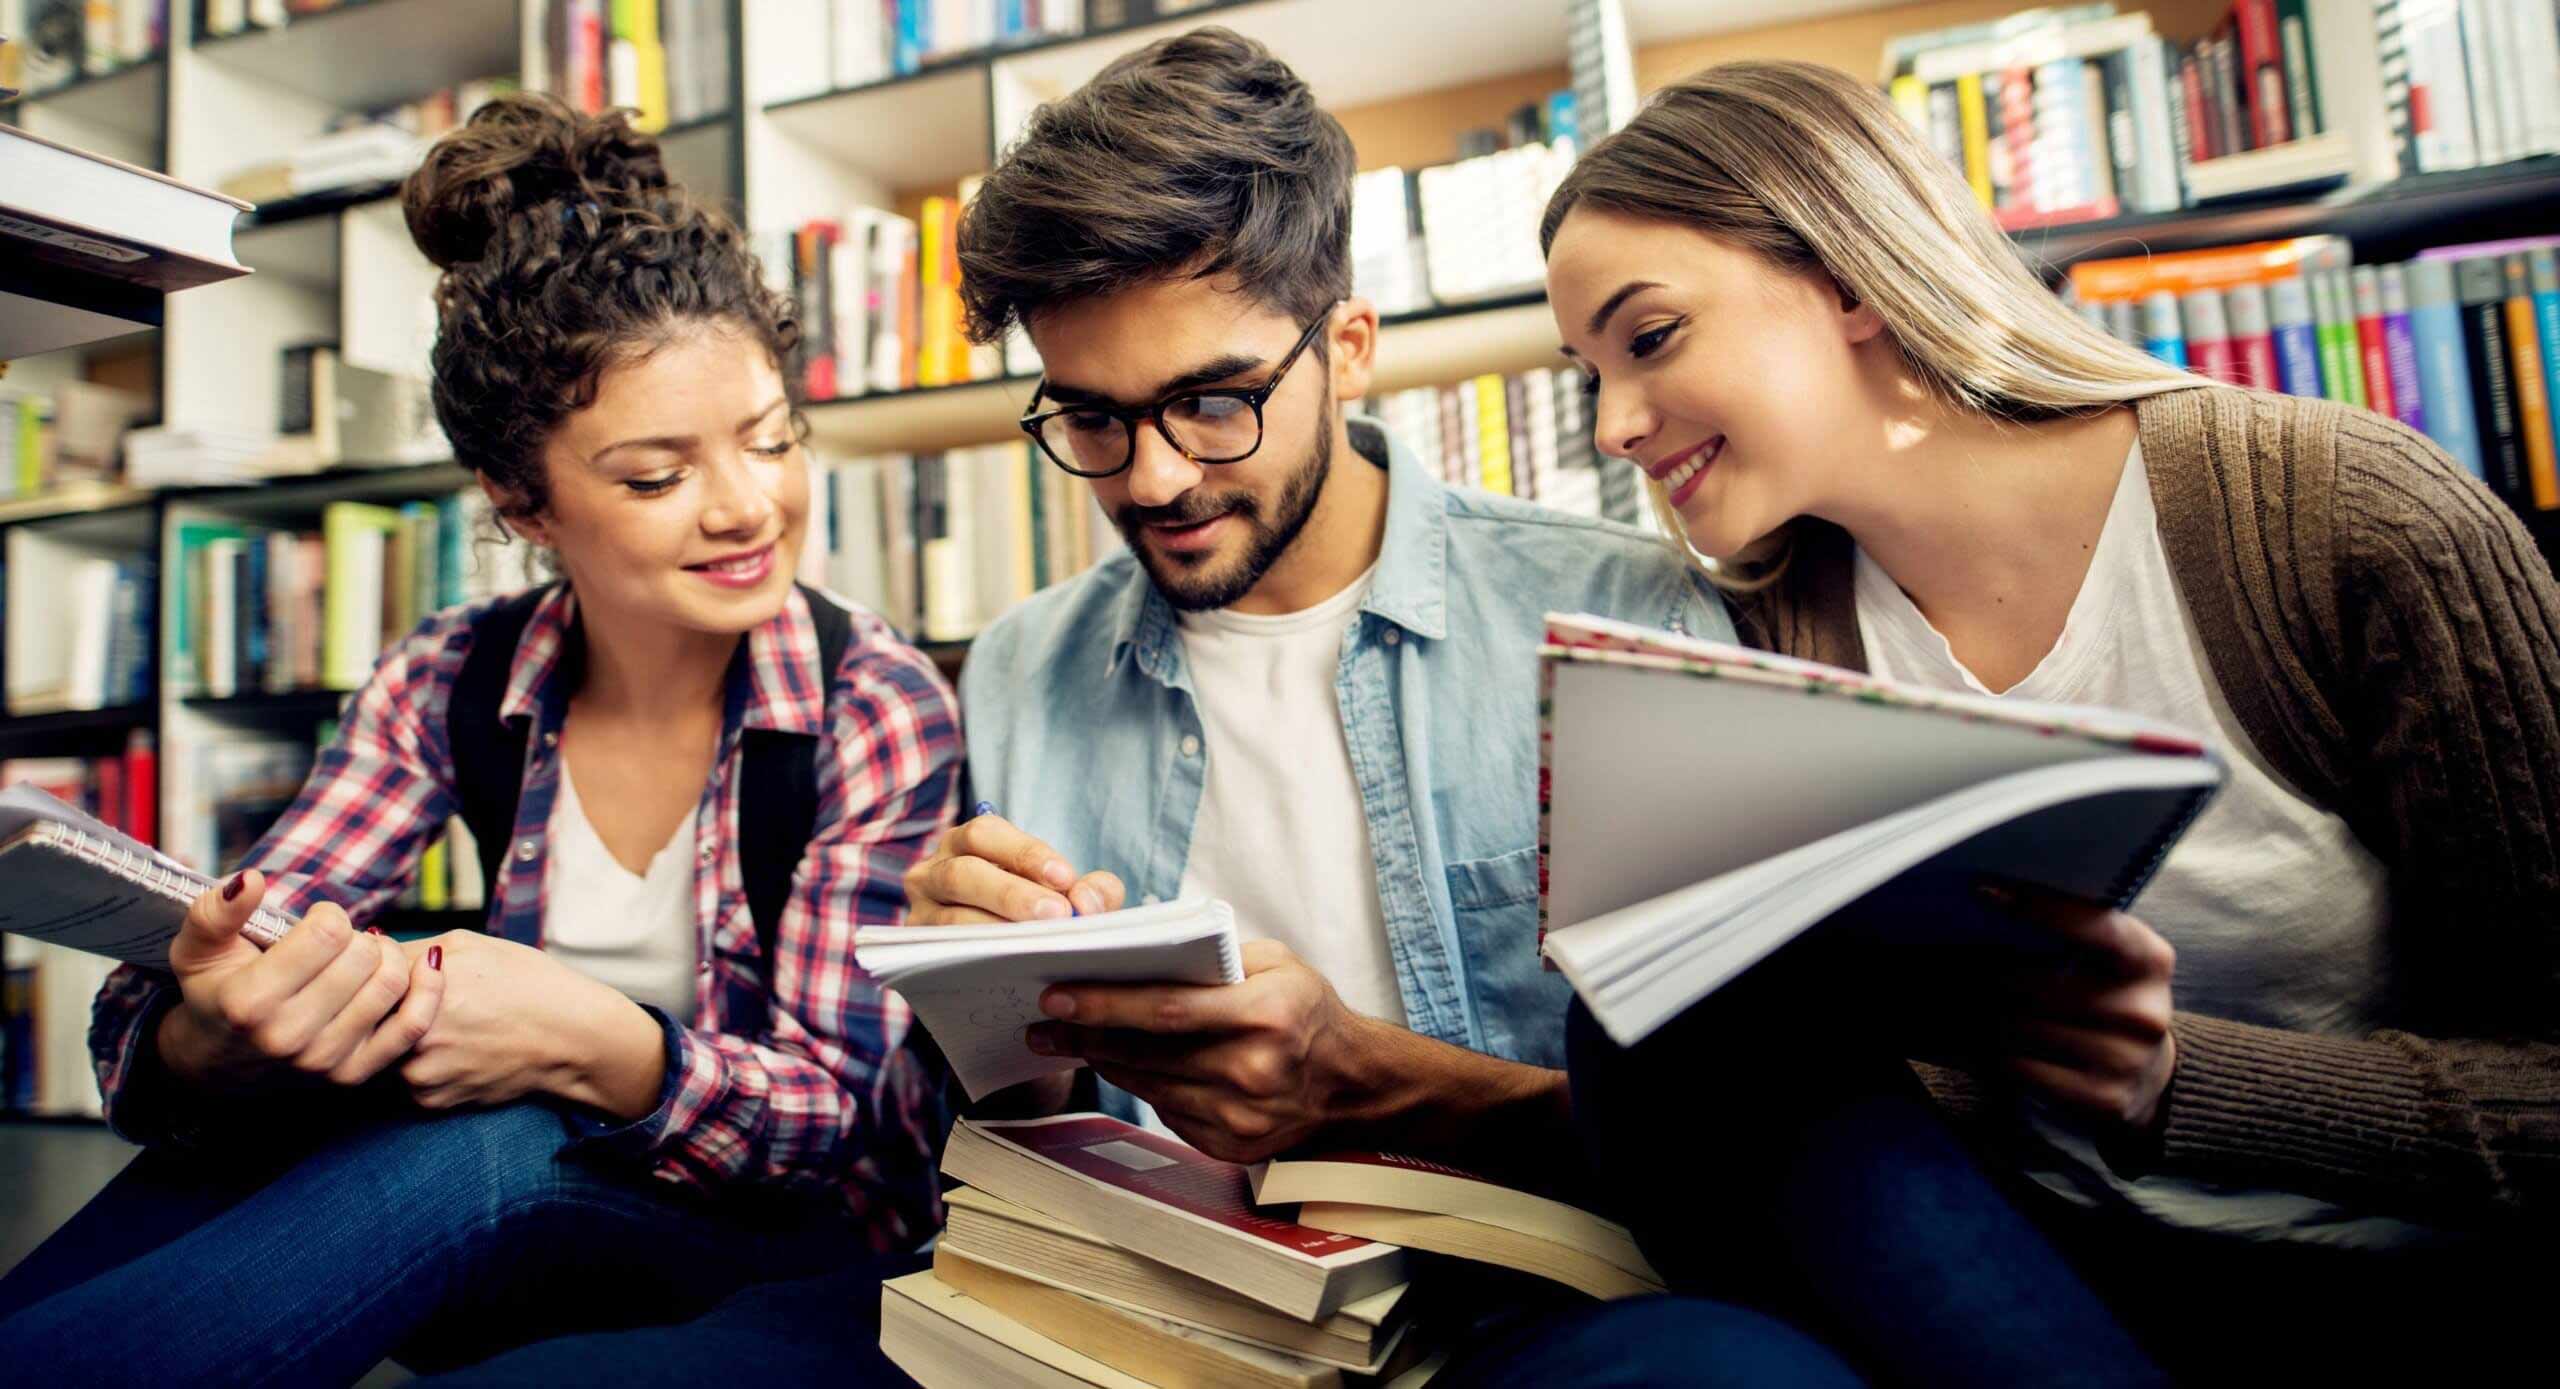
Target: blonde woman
[{"x": 2298, "y": 1109}]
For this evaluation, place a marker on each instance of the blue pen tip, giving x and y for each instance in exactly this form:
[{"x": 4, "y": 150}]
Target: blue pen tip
[{"x": 982, "y": 808}]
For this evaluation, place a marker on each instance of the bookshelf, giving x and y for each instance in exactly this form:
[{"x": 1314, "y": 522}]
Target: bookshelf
[{"x": 784, "y": 144}]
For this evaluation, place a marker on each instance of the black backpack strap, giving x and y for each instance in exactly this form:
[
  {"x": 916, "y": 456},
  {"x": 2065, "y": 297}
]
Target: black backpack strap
[
  {"x": 488, "y": 755},
  {"x": 778, "y": 789}
]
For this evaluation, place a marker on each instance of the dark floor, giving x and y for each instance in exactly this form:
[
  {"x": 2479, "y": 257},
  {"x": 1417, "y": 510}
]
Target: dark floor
[{"x": 48, "y": 1171}]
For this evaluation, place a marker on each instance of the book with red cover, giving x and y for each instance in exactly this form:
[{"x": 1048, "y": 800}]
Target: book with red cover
[
  {"x": 2262, "y": 80},
  {"x": 1160, "y": 1197}
]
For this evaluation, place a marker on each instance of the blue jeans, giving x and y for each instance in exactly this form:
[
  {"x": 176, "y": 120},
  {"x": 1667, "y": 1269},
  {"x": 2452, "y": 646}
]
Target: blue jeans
[
  {"x": 378, "y": 1231},
  {"x": 1770, "y": 1155}
]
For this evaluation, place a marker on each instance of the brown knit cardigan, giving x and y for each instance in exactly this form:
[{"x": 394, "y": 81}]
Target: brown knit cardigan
[{"x": 2388, "y": 638}]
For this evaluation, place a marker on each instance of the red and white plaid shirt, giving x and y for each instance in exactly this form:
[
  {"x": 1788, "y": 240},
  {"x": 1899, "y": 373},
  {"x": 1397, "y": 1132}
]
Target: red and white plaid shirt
[{"x": 821, "y": 1087}]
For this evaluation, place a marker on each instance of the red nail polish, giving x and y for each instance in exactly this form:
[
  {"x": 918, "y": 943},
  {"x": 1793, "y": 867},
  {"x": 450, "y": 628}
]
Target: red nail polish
[
  {"x": 435, "y": 957},
  {"x": 232, "y": 888},
  {"x": 373, "y": 930}
]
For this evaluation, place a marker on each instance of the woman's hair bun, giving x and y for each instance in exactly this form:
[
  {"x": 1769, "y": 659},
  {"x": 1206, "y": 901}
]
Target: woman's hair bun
[{"x": 522, "y": 154}]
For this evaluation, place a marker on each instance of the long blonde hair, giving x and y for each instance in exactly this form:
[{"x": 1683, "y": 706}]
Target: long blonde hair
[{"x": 1814, "y": 170}]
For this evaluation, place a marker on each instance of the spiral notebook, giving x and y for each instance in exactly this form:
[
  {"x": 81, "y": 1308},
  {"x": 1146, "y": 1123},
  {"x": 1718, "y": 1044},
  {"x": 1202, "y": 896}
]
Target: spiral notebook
[
  {"x": 1703, "y": 804},
  {"x": 70, "y": 880},
  {"x": 975, "y": 988}
]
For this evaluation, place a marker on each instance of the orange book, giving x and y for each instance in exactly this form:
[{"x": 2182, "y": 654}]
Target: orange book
[
  {"x": 2217, "y": 267},
  {"x": 2533, "y": 395},
  {"x": 955, "y": 338}
]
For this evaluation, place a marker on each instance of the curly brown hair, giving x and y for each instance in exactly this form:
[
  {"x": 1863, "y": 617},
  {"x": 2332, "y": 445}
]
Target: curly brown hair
[
  {"x": 1198, "y": 155},
  {"x": 566, "y": 250}
]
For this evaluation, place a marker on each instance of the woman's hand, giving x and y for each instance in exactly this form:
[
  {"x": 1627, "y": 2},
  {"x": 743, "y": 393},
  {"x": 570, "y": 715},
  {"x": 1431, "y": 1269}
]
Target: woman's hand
[
  {"x": 2089, "y": 1033},
  {"x": 517, "y": 1022},
  {"x": 325, "y": 1003}
]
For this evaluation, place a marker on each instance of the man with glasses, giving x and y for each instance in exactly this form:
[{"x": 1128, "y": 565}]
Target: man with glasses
[{"x": 1309, "y": 688}]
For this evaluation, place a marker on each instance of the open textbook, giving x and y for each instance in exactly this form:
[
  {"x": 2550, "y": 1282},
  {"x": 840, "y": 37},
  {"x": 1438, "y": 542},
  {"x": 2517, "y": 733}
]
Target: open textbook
[
  {"x": 1702, "y": 804},
  {"x": 976, "y": 988},
  {"x": 70, "y": 880}
]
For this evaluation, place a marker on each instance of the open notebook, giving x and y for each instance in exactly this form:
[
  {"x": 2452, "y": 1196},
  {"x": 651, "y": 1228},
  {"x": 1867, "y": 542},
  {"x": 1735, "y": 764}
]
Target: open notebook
[
  {"x": 976, "y": 988},
  {"x": 70, "y": 880},
  {"x": 1703, "y": 804}
]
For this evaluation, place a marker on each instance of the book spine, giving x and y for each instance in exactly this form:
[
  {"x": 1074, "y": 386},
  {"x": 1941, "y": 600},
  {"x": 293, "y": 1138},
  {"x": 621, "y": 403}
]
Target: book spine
[
  {"x": 2543, "y": 266},
  {"x": 2373, "y": 356},
  {"x": 2480, "y": 284},
  {"x": 2480, "y": 73},
  {"x": 2163, "y": 334},
  {"x": 2341, "y": 362},
  {"x": 2301, "y": 67},
  {"x": 2532, "y": 386},
  {"x": 2297, "y": 338},
  {"x": 2253, "y": 346},
  {"x": 2209, "y": 336},
  {"x": 2444, "y": 368},
  {"x": 2400, "y": 350},
  {"x": 1973, "y": 129},
  {"x": 2262, "y": 73}
]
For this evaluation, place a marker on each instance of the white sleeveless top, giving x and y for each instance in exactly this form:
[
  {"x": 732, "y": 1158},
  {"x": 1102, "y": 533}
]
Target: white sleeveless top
[{"x": 634, "y": 932}]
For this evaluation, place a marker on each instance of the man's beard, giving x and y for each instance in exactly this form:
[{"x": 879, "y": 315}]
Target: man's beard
[{"x": 1184, "y": 580}]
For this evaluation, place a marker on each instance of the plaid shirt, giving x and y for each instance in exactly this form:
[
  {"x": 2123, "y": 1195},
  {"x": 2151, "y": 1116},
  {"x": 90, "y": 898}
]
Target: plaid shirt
[{"x": 819, "y": 1088}]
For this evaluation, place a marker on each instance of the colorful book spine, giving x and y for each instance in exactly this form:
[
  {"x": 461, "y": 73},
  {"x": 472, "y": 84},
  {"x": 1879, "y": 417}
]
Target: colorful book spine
[
  {"x": 2444, "y": 368},
  {"x": 2481, "y": 287},
  {"x": 2543, "y": 269},
  {"x": 2163, "y": 334},
  {"x": 2209, "y": 336},
  {"x": 2373, "y": 354},
  {"x": 2301, "y": 67},
  {"x": 2252, "y": 344},
  {"x": 2297, "y": 335},
  {"x": 1973, "y": 127},
  {"x": 2400, "y": 350},
  {"x": 2533, "y": 390},
  {"x": 1493, "y": 437}
]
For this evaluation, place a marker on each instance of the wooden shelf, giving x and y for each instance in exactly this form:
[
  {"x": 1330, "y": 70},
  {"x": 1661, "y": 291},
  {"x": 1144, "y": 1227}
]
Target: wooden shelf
[
  {"x": 71, "y": 732},
  {"x": 328, "y": 202},
  {"x": 129, "y": 101},
  {"x": 77, "y": 499},
  {"x": 369, "y": 53}
]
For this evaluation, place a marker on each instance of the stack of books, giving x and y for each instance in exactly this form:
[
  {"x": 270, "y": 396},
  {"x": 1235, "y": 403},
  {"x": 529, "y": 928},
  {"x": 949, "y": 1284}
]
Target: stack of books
[
  {"x": 873, "y": 40},
  {"x": 1468, "y": 230},
  {"x": 2462, "y": 344},
  {"x": 1083, "y": 1250},
  {"x": 1525, "y": 435},
  {"x": 81, "y": 635},
  {"x": 879, "y": 298},
  {"x": 362, "y": 149}
]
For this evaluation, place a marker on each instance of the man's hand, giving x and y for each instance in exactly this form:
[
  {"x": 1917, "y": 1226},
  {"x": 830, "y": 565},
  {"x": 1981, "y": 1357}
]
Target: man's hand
[
  {"x": 986, "y": 870},
  {"x": 1240, "y": 1071},
  {"x": 518, "y": 1022},
  {"x": 325, "y": 1003},
  {"x": 2090, "y": 1033}
]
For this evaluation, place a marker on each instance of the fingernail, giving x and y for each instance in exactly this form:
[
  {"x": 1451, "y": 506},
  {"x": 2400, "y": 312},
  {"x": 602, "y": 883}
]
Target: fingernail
[
  {"x": 1038, "y": 1038},
  {"x": 1086, "y": 900},
  {"x": 1049, "y": 909},
  {"x": 373, "y": 930},
  {"x": 1058, "y": 1003},
  {"x": 1057, "y": 876},
  {"x": 232, "y": 888},
  {"x": 435, "y": 957}
]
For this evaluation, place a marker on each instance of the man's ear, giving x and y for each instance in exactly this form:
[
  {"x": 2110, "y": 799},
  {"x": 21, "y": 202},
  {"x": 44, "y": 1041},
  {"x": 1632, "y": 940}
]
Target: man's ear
[
  {"x": 512, "y": 515},
  {"x": 1351, "y": 347}
]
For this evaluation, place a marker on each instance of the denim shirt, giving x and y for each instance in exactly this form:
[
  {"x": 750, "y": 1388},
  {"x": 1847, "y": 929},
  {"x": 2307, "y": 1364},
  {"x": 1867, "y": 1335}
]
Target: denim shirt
[{"x": 1081, "y": 728}]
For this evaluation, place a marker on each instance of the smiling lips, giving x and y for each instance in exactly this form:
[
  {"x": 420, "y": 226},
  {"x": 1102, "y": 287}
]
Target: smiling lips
[
  {"x": 737, "y": 571},
  {"x": 1680, "y": 472}
]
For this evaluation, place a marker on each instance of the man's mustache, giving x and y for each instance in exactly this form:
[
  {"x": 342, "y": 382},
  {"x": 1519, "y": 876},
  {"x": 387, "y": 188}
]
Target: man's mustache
[{"x": 1190, "y": 510}]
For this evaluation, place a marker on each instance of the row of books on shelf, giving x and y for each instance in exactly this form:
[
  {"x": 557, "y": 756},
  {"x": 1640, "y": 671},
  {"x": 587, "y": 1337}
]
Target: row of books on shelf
[
  {"x": 1467, "y": 230},
  {"x": 2470, "y": 82},
  {"x": 1525, "y": 435},
  {"x": 1083, "y": 1250},
  {"x": 941, "y": 543},
  {"x": 283, "y": 608},
  {"x": 361, "y": 148},
  {"x": 879, "y": 302},
  {"x": 850, "y": 43},
  {"x": 45, "y": 989},
  {"x": 46, "y": 44},
  {"x": 222, "y": 18},
  {"x": 669, "y": 61},
  {"x": 81, "y": 638},
  {"x": 2462, "y": 343},
  {"x": 2078, "y": 114},
  {"x": 70, "y": 431}
]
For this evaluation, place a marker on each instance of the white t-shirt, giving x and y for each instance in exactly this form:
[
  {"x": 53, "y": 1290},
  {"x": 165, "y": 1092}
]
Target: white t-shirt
[
  {"x": 1281, "y": 834},
  {"x": 2276, "y": 910},
  {"x": 633, "y": 931}
]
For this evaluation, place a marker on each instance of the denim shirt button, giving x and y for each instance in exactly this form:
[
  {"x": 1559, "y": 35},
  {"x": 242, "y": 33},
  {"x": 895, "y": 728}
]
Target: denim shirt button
[
  {"x": 526, "y": 849},
  {"x": 1190, "y": 745},
  {"x": 1392, "y": 637}
]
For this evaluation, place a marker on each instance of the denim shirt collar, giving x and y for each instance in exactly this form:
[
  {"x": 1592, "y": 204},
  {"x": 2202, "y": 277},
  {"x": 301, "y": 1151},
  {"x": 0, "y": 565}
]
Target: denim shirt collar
[{"x": 1409, "y": 589}]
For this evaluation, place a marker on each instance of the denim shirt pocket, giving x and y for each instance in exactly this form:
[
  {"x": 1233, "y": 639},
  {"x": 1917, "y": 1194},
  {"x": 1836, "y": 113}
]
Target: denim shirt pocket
[{"x": 1520, "y": 1005}]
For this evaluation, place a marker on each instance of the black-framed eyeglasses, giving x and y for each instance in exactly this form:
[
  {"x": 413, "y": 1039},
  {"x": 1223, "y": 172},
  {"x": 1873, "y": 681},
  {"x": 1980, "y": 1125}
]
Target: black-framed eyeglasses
[{"x": 1214, "y": 426}]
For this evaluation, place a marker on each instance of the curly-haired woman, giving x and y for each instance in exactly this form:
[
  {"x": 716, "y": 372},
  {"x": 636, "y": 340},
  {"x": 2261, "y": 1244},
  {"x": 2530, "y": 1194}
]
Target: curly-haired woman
[{"x": 646, "y": 1084}]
